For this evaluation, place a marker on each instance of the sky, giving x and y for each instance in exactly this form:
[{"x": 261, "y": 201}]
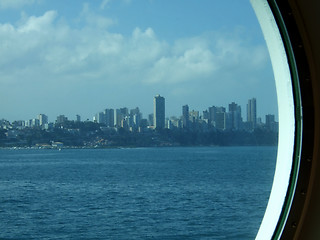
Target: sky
[{"x": 81, "y": 57}]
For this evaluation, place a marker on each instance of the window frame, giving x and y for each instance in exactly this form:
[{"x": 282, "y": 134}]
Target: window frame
[{"x": 304, "y": 125}]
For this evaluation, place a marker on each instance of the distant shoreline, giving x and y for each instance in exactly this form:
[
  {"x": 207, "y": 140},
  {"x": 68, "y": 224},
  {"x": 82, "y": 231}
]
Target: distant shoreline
[{"x": 127, "y": 147}]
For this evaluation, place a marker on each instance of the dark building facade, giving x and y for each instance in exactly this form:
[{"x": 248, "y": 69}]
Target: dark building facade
[{"x": 159, "y": 112}]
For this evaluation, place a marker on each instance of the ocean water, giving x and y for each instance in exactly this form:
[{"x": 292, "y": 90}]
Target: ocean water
[{"x": 138, "y": 193}]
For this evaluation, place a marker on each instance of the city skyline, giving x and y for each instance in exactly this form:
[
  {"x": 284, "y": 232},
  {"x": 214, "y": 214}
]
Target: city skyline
[
  {"x": 176, "y": 114},
  {"x": 124, "y": 126},
  {"x": 79, "y": 57},
  {"x": 116, "y": 115}
]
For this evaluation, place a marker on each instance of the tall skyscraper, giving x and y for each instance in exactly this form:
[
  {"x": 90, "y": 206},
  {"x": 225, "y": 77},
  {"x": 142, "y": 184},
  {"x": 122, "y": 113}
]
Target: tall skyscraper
[
  {"x": 235, "y": 116},
  {"x": 185, "y": 116},
  {"x": 212, "y": 115},
  {"x": 117, "y": 117},
  {"x": 159, "y": 112},
  {"x": 109, "y": 117},
  {"x": 252, "y": 113}
]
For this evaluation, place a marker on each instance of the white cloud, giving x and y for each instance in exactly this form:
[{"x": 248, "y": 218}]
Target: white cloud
[
  {"x": 195, "y": 64},
  {"x": 104, "y": 3},
  {"x": 97, "y": 52},
  {"x": 44, "y": 51},
  {"x": 6, "y": 4},
  {"x": 38, "y": 24},
  {"x": 92, "y": 19},
  {"x": 147, "y": 34},
  {"x": 60, "y": 50}
]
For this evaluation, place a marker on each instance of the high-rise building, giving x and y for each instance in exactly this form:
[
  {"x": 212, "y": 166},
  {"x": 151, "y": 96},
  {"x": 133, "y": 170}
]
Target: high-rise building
[
  {"x": 212, "y": 115},
  {"x": 185, "y": 116},
  {"x": 134, "y": 111},
  {"x": 117, "y": 118},
  {"x": 124, "y": 112},
  {"x": 35, "y": 122},
  {"x": 28, "y": 123},
  {"x": 194, "y": 116},
  {"x": 150, "y": 119},
  {"x": 252, "y": 113},
  {"x": 168, "y": 123},
  {"x": 43, "y": 119},
  {"x": 100, "y": 117},
  {"x": 135, "y": 117},
  {"x": 78, "y": 118},
  {"x": 125, "y": 122},
  {"x": 143, "y": 124},
  {"x": 235, "y": 116},
  {"x": 176, "y": 122},
  {"x": 109, "y": 117},
  {"x": 205, "y": 115},
  {"x": 61, "y": 119},
  {"x": 220, "y": 122},
  {"x": 271, "y": 124},
  {"x": 159, "y": 112},
  {"x": 269, "y": 119}
]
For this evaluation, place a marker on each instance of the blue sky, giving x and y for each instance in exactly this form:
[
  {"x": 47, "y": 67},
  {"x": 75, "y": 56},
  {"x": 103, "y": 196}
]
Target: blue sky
[{"x": 80, "y": 57}]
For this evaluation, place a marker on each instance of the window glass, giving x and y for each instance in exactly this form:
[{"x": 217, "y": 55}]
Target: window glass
[{"x": 149, "y": 119}]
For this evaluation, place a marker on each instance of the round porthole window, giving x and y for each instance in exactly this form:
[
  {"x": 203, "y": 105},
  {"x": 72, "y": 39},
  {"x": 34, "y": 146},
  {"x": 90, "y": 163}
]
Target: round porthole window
[{"x": 143, "y": 120}]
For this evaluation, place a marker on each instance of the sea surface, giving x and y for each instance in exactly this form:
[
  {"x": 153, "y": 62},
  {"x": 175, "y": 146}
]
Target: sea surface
[{"x": 138, "y": 193}]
